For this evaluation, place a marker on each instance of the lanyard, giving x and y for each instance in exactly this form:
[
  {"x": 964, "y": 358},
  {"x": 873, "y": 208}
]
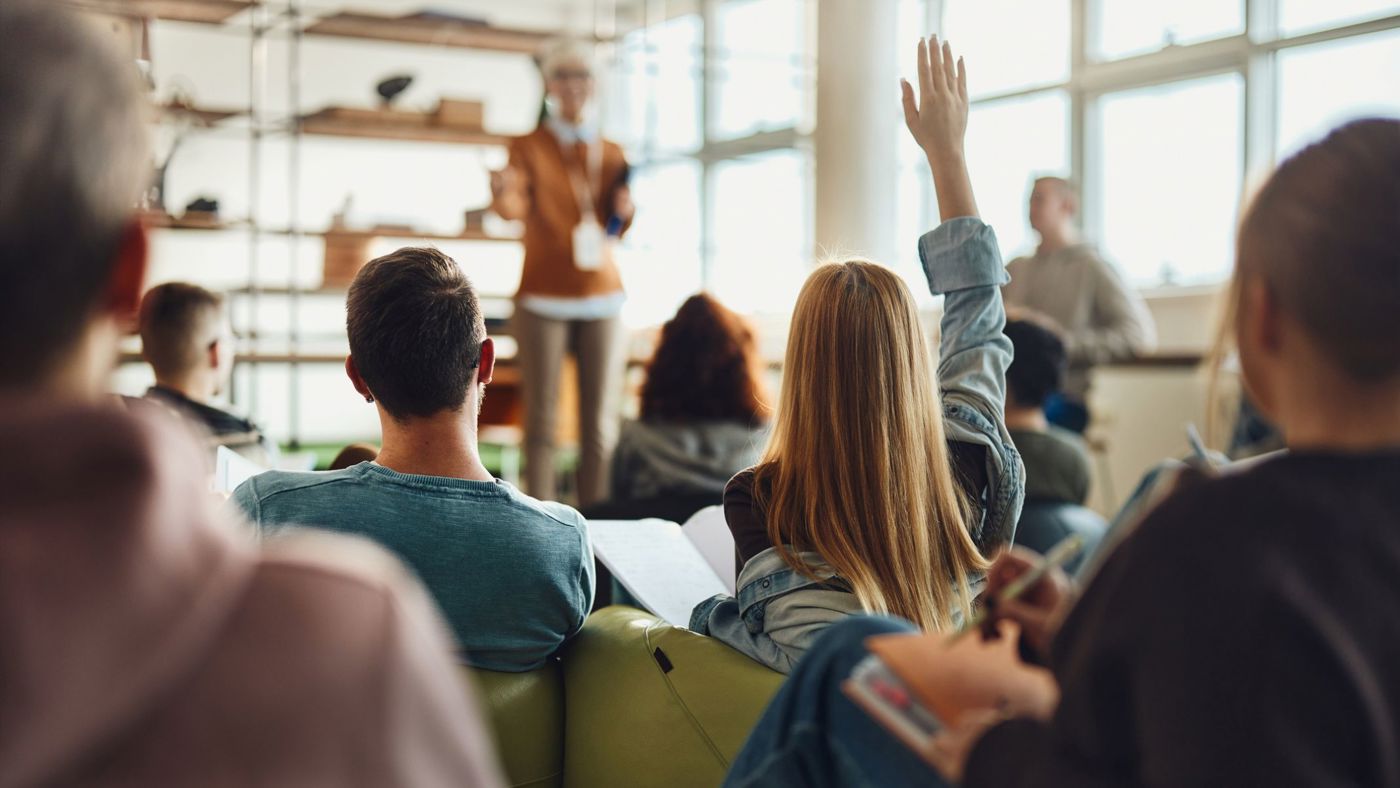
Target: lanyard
[{"x": 593, "y": 171}]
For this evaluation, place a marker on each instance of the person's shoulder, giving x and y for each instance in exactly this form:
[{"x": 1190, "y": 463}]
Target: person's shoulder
[
  {"x": 547, "y": 513},
  {"x": 741, "y": 484},
  {"x": 270, "y": 484}
]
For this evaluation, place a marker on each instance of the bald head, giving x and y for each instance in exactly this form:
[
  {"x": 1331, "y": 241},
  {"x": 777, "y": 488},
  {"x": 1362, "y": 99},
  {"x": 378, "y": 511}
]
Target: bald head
[{"x": 1053, "y": 206}]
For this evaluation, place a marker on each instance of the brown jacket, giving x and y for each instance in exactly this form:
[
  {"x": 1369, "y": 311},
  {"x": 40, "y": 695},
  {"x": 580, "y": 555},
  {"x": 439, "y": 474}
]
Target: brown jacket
[
  {"x": 541, "y": 162},
  {"x": 146, "y": 640}
]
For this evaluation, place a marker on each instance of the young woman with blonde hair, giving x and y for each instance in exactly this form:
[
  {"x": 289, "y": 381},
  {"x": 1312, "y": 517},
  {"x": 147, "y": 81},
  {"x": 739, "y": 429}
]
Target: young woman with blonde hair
[{"x": 885, "y": 484}]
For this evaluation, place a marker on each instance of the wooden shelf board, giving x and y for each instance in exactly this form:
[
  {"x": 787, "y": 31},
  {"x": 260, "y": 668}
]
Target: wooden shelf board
[
  {"x": 399, "y": 232},
  {"x": 211, "y": 12},
  {"x": 332, "y": 127},
  {"x": 204, "y": 116},
  {"x": 434, "y": 32},
  {"x": 186, "y": 222}
]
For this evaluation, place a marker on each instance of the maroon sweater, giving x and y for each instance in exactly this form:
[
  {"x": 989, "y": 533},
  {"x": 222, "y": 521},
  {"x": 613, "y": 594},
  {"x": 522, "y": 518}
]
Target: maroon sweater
[{"x": 1247, "y": 634}]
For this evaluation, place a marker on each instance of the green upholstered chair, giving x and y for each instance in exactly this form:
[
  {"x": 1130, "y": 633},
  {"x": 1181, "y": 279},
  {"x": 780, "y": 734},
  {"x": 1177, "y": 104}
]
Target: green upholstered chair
[
  {"x": 526, "y": 712},
  {"x": 651, "y": 704}
]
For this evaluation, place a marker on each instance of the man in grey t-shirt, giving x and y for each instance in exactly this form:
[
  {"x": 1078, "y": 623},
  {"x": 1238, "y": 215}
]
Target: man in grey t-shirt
[
  {"x": 513, "y": 575},
  {"x": 1067, "y": 281}
]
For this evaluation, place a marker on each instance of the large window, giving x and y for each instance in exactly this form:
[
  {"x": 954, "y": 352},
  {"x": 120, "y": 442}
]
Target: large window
[
  {"x": 1164, "y": 113},
  {"x": 1132, "y": 27},
  {"x": 1170, "y": 178},
  {"x": 713, "y": 106}
]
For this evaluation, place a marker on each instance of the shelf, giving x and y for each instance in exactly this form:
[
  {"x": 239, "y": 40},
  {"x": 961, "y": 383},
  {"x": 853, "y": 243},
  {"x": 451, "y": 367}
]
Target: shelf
[
  {"x": 398, "y": 232},
  {"x": 203, "y": 116},
  {"x": 421, "y": 29},
  {"x": 211, "y": 12},
  {"x": 326, "y": 124},
  {"x": 189, "y": 221}
]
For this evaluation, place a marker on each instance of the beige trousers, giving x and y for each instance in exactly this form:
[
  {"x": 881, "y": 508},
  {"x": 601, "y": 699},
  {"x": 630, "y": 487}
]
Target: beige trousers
[{"x": 598, "y": 349}]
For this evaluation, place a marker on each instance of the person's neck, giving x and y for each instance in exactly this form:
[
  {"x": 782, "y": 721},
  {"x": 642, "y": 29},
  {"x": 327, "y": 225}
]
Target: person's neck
[
  {"x": 1025, "y": 419},
  {"x": 1057, "y": 238},
  {"x": 443, "y": 444},
  {"x": 1357, "y": 419},
  {"x": 194, "y": 386}
]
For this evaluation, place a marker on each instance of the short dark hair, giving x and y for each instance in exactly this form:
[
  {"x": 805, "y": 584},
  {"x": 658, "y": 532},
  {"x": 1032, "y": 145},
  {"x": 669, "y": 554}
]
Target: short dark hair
[
  {"x": 706, "y": 368},
  {"x": 1038, "y": 368},
  {"x": 415, "y": 330},
  {"x": 73, "y": 144},
  {"x": 177, "y": 321}
]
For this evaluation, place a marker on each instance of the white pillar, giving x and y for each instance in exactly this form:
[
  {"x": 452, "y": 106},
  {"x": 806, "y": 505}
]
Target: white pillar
[{"x": 858, "y": 117}]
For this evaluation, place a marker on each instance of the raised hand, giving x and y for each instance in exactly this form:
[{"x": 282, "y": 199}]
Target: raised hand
[{"x": 938, "y": 119}]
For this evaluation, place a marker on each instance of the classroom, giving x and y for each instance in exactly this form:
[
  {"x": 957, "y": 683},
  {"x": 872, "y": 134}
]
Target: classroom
[{"x": 700, "y": 392}]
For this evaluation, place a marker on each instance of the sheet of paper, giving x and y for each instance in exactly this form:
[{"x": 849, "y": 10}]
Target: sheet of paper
[
  {"x": 232, "y": 469},
  {"x": 657, "y": 565},
  {"x": 710, "y": 534}
]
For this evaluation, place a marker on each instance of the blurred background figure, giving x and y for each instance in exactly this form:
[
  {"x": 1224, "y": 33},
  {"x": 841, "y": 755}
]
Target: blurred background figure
[
  {"x": 354, "y": 454},
  {"x": 186, "y": 338},
  {"x": 1069, "y": 282},
  {"x": 704, "y": 417},
  {"x": 1056, "y": 459}
]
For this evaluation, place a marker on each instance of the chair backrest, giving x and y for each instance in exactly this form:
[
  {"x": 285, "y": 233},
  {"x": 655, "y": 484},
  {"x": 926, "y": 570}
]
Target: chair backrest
[
  {"x": 709, "y": 532},
  {"x": 526, "y": 712},
  {"x": 652, "y": 704},
  {"x": 1045, "y": 524}
]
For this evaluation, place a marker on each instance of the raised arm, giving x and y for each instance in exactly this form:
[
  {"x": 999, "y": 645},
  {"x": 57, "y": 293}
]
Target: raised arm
[{"x": 963, "y": 263}]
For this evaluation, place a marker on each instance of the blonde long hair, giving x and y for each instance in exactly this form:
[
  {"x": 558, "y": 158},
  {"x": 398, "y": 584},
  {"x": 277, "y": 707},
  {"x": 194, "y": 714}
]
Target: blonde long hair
[{"x": 857, "y": 467}]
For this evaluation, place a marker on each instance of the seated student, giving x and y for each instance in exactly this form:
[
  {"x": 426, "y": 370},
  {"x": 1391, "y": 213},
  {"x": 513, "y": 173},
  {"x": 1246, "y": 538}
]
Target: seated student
[
  {"x": 146, "y": 640},
  {"x": 513, "y": 575},
  {"x": 185, "y": 338},
  {"x": 1057, "y": 464},
  {"x": 354, "y": 454},
  {"x": 884, "y": 485},
  {"x": 703, "y": 416},
  {"x": 1269, "y": 658}
]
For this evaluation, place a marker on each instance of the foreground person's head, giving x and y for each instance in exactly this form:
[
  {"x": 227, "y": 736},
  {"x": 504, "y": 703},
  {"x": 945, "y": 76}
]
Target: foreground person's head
[
  {"x": 1316, "y": 293},
  {"x": 73, "y": 164}
]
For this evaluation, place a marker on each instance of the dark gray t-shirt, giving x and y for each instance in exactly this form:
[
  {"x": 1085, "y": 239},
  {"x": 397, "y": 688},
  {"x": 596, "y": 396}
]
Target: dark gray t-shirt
[{"x": 1057, "y": 465}]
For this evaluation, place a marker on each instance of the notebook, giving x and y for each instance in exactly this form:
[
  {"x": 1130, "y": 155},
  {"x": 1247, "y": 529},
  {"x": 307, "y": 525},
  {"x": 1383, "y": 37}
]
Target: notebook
[{"x": 657, "y": 565}]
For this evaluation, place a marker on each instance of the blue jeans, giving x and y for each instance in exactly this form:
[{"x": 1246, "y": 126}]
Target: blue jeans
[{"x": 813, "y": 735}]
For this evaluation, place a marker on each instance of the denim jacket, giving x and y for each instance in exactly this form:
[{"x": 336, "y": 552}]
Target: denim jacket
[{"x": 779, "y": 612}]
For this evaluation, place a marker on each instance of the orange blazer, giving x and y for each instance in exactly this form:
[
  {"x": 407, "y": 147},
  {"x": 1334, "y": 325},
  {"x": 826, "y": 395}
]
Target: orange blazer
[{"x": 539, "y": 160}]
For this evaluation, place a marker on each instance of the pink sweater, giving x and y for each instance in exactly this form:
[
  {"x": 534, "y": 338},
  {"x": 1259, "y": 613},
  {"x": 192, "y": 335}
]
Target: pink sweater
[{"x": 147, "y": 639}]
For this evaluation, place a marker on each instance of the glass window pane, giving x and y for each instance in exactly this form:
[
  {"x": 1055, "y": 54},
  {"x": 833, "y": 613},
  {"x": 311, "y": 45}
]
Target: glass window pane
[
  {"x": 761, "y": 248},
  {"x": 1325, "y": 85},
  {"x": 1132, "y": 27},
  {"x": 652, "y": 99},
  {"x": 660, "y": 256},
  {"x": 1171, "y": 169},
  {"x": 1301, "y": 16},
  {"x": 1009, "y": 143},
  {"x": 1002, "y": 56},
  {"x": 760, "y": 66}
]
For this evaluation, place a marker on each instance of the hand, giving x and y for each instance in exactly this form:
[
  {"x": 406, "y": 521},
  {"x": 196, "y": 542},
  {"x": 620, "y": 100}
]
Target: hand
[
  {"x": 1038, "y": 610},
  {"x": 949, "y": 750},
  {"x": 623, "y": 207},
  {"x": 938, "y": 120}
]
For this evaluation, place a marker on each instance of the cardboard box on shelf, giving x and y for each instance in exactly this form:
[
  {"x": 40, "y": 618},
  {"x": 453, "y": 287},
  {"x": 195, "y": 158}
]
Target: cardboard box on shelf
[
  {"x": 460, "y": 113},
  {"x": 346, "y": 254}
]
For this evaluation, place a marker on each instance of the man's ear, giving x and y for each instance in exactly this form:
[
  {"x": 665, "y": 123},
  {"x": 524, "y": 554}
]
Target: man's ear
[
  {"x": 353, "y": 372},
  {"x": 487, "y": 366},
  {"x": 1262, "y": 321},
  {"x": 217, "y": 349},
  {"x": 127, "y": 281}
]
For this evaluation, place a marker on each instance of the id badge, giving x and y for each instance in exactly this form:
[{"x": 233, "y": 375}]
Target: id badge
[{"x": 588, "y": 244}]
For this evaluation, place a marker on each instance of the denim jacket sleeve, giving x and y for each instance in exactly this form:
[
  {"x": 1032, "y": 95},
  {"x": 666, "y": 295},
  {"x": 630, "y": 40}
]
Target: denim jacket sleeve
[{"x": 962, "y": 262}]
